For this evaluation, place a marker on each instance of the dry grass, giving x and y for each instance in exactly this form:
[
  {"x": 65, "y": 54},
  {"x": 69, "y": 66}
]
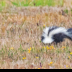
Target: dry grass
[{"x": 20, "y": 32}]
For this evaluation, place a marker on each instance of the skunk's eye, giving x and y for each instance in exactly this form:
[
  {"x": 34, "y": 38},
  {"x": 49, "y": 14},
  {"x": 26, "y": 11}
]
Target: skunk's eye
[{"x": 42, "y": 37}]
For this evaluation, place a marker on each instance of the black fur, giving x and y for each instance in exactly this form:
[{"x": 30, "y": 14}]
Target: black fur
[
  {"x": 52, "y": 28},
  {"x": 69, "y": 30},
  {"x": 59, "y": 37},
  {"x": 70, "y": 33},
  {"x": 42, "y": 37}
]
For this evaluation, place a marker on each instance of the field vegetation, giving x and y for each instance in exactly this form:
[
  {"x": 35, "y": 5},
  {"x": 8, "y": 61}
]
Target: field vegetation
[{"x": 21, "y": 26}]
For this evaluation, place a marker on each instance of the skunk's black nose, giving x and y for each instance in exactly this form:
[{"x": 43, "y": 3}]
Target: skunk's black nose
[{"x": 42, "y": 37}]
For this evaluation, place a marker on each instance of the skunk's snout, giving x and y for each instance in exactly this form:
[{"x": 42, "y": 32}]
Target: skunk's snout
[{"x": 42, "y": 37}]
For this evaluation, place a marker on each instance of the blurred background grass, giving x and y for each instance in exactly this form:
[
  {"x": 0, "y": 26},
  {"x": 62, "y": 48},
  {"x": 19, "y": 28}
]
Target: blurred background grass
[
  {"x": 32, "y": 2},
  {"x": 21, "y": 3},
  {"x": 4, "y": 4}
]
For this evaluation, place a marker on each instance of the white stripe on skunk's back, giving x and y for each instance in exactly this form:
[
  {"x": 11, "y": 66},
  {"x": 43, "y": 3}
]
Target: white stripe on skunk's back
[
  {"x": 57, "y": 30},
  {"x": 45, "y": 31}
]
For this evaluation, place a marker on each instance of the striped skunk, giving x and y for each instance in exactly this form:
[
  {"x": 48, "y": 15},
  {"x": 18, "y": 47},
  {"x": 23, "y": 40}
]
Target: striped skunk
[{"x": 55, "y": 34}]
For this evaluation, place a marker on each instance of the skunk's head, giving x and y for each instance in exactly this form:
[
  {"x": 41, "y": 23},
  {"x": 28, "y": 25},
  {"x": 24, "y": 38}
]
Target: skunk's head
[{"x": 45, "y": 36}]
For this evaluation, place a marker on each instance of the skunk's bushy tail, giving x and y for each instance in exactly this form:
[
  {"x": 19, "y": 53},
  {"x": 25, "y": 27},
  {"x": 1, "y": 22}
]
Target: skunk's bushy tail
[{"x": 69, "y": 33}]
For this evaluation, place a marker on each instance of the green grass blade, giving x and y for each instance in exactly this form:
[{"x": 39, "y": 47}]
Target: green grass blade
[{"x": 14, "y": 3}]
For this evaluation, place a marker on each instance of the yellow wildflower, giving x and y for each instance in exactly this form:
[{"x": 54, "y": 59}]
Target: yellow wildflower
[
  {"x": 44, "y": 47},
  {"x": 52, "y": 47},
  {"x": 67, "y": 66},
  {"x": 63, "y": 47},
  {"x": 43, "y": 25},
  {"x": 11, "y": 48},
  {"x": 29, "y": 50},
  {"x": 37, "y": 57},
  {"x": 71, "y": 53},
  {"x": 50, "y": 63},
  {"x": 38, "y": 68},
  {"x": 3, "y": 23},
  {"x": 24, "y": 58},
  {"x": 69, "y": 57},
  {"x": 38, "y": 51},
  {"x": 42, "y": 67},
  {"x": 47, "y": 47}
]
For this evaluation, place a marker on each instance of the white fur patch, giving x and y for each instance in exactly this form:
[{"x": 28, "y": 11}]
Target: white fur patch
[
  {"x": 58, "y": 30},
  {"x": 48, "y": 40},
  {"x": 46, "y": 30}
]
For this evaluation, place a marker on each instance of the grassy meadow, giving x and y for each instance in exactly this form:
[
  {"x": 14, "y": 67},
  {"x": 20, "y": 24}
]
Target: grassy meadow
[{"x": 21, "y": 26}]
